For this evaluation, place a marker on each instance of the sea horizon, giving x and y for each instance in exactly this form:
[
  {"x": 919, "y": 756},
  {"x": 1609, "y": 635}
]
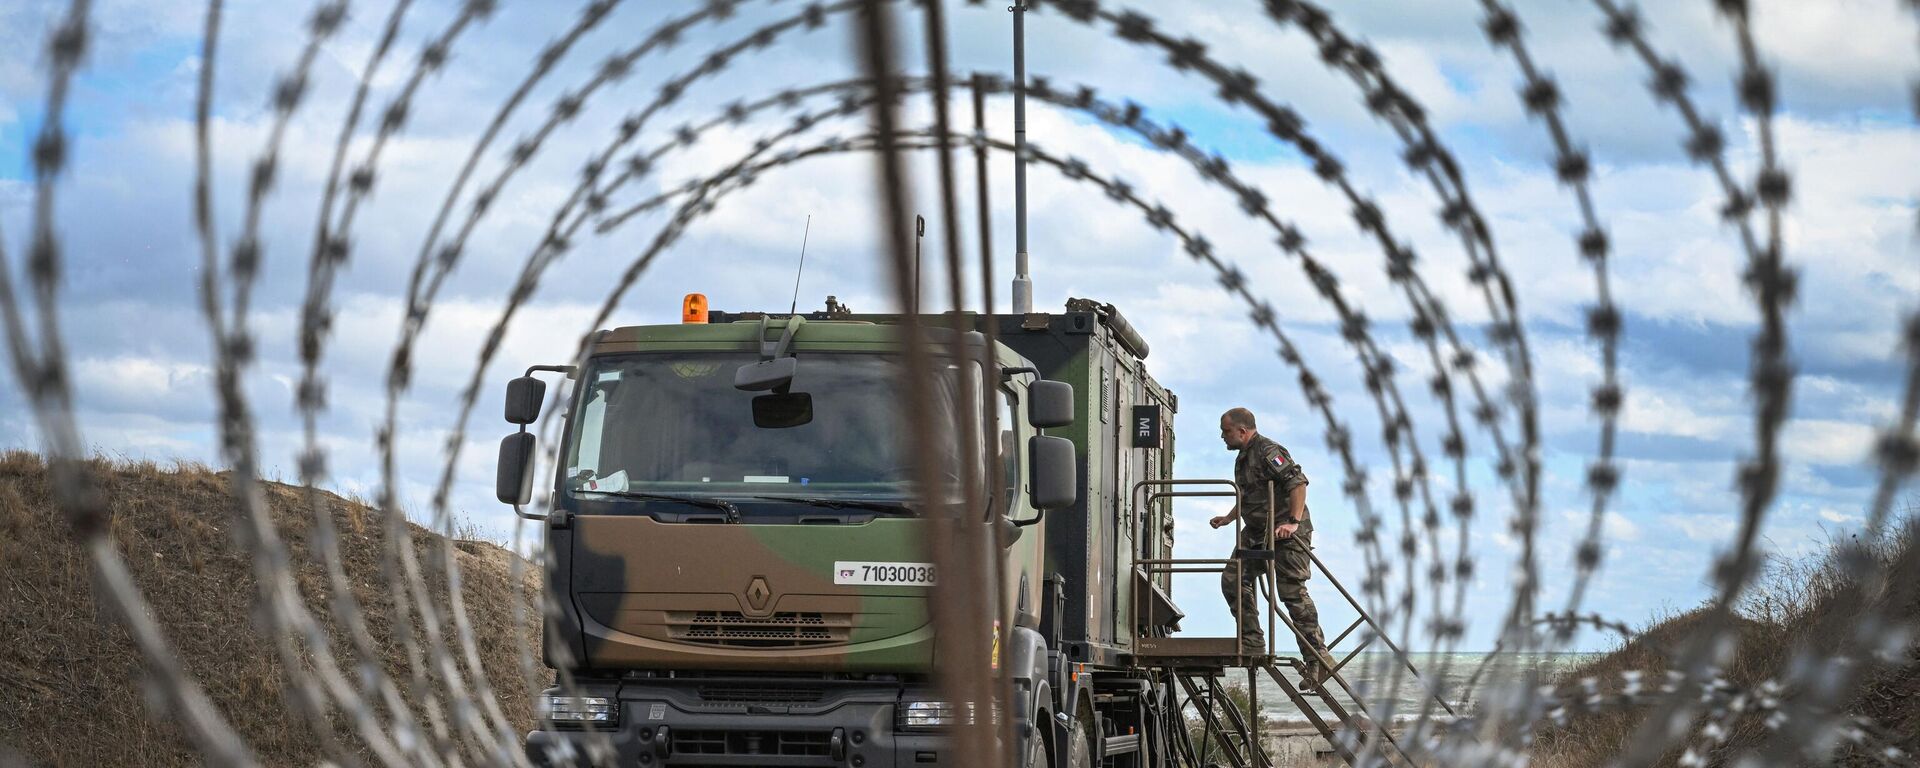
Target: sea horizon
[{"x": 1451, "y": 675}]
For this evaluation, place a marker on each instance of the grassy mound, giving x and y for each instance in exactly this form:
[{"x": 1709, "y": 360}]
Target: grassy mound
[
  {"x": 1798, "y": 606},
  {"x": 71, "y": 682}
]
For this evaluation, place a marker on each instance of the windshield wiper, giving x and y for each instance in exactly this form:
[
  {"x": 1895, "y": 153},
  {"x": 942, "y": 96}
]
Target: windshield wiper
[
  {"x": 832, "y": 503},
  {"x": 733, "y": 512}
]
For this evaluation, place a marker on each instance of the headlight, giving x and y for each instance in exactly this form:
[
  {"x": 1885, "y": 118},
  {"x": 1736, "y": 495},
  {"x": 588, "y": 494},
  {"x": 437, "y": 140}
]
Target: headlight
[
  {"x": 597, "y": 710},
  {"x": 925, "y": 715},
  {"x": 930, "y": 714}
]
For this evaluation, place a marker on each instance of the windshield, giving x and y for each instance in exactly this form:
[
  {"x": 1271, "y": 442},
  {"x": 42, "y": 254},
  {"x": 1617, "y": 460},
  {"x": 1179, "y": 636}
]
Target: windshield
[{"x": 675, "y": 424}]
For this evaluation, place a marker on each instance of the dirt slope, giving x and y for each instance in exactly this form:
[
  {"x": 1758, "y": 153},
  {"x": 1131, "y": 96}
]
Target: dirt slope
[
  {"x": 1806, "y": 604},
  {"x": 70, "y": 685}
]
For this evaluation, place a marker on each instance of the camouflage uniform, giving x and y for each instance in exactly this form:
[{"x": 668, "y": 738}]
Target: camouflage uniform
[{"x": 1260, "y": 462}]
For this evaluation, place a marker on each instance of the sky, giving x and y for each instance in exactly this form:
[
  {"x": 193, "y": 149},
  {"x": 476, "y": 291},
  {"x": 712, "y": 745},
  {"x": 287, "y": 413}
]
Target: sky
[{"x": 141, "y": 351}]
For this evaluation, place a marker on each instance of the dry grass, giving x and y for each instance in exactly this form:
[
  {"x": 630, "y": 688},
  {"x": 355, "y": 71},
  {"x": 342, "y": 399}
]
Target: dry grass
[
  {"x": 71, "y": 684},
  {"x": 1806, "y": 606}
]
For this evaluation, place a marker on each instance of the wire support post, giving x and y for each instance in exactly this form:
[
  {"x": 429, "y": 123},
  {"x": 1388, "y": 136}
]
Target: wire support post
[{"x": 1022, "y": 279}]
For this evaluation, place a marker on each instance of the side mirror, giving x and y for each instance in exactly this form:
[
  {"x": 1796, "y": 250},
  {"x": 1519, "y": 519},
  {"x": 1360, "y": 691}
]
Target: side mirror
[
  {"x": 524, "y": 396},
  {"x": 1055, "y": 480},
  {"x": 513, "y": 483},
  {"x": 766, "y": 375},
  {"x": 1050, "y": 404},
  {"x": 782, "y": 410}
]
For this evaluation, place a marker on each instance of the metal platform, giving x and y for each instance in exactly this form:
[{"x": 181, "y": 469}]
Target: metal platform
[{"x": 1194, "y": 652}]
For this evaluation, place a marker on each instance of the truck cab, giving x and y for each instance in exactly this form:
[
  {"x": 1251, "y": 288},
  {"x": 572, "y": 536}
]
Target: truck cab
[{"x": 736, "y": 565}]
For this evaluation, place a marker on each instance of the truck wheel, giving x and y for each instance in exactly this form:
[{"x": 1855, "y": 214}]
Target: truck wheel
[
  {"x": 1039, "y": 755},
  {"x": 1079, "y": 749}
]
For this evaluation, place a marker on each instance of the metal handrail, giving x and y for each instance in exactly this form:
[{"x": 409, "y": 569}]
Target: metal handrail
[
  {"x": 1159, "y": 519},
  {"x": 1213, "y": 565},
  {"x": 1273, "y": 605},
  {"x": 1377, "y": 632}
]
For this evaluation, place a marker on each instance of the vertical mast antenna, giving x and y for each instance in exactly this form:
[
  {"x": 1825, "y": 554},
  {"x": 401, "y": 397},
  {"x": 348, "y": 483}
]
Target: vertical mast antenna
[
  {"x": 919, "y": 231},
  {"x": 1022, "y": 283},
  {"x": 791, "y": 308}
]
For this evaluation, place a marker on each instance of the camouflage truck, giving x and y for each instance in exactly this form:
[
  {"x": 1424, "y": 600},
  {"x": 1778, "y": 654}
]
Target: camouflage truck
[{"x": 737, "y": 564}]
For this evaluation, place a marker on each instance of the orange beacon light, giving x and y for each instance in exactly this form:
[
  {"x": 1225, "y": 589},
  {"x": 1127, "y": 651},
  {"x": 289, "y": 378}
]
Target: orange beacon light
[{"x": 693, "y": 309}]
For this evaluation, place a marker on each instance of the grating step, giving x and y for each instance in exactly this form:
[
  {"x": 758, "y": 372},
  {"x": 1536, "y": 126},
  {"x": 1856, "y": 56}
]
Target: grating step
[{"x": 1204, "y": 652}]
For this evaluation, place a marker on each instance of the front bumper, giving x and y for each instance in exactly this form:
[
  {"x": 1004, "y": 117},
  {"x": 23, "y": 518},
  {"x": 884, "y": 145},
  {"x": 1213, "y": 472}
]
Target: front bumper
[{"x": 680, "y": 724}]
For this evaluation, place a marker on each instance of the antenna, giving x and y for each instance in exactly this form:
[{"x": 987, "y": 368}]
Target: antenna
[
  {"x": 795, "y": 306},
  {"x": 919, "y": 231},
  {"x": 1022, "y": 282}
]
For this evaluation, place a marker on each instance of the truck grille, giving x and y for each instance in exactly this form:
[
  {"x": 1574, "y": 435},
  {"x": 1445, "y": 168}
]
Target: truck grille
[
  {"x": 762, "y": 694},
  {"x": 782, "y": 743},
  {"x": 781, "y": 630}
]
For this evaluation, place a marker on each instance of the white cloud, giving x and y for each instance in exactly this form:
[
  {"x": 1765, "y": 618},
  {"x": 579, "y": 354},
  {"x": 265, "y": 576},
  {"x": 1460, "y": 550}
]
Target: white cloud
[
  {"x": 135, "y": 384},
  {"x": 1615, "y": 526},
  {"x": 1800, "y": 36},
  {"x": 1833, "y": 515},
  {"x": 1704, "y": 529},
  {"x": 1822, "y": 441},
  {"x": 1656, "y": 412}
]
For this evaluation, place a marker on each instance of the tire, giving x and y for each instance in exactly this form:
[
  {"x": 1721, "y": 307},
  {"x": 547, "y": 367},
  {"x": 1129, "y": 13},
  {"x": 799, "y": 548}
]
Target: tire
[
  {"x": 1039, "y": 747},
  {"x": 1079, "y": 748}
]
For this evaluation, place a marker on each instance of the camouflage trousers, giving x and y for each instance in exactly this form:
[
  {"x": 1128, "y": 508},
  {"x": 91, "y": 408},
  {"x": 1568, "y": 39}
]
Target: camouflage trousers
[{"x": 1240, "y": 585}]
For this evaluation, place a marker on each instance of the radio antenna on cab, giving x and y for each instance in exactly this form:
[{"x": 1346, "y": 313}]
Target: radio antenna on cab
[{"x": 795, "y": 306}]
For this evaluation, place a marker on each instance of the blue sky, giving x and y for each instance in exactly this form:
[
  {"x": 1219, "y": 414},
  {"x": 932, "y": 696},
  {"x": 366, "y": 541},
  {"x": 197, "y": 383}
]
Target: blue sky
[{"x": 142, "y": 355}]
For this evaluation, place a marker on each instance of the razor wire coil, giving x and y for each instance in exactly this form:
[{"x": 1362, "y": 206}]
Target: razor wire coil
[{"x": 458, "y": 719}]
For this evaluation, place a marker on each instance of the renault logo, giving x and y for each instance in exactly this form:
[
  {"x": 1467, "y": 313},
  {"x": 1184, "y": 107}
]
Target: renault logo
[{"x": 758, "y": 593}]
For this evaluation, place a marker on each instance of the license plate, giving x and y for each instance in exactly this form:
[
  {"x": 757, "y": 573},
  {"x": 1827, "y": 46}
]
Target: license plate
[{"x": 884, "y": 574}]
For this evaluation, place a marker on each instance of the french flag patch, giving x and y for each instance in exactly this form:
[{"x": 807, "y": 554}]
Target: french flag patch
[{"x": 1279, "y": 460}]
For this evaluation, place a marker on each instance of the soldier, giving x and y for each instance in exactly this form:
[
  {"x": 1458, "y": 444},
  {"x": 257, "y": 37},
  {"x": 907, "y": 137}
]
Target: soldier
[{"x": 1262, "y": 461}]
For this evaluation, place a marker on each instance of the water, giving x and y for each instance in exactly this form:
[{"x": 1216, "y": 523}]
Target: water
[{"x": 1448, "y": 673}]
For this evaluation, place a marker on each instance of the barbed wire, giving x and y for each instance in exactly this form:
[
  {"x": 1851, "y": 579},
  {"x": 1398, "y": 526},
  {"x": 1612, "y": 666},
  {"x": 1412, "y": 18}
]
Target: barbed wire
[
  {"x": 450, "y": 711},
  {"x": 41, "y": 373},
  {"x": 311, "y": 401},
  {"x": 1156, "y": 215},
  {"x": 1254, "y": 203},
  {"x": 331, "y": 251},
  {"x": 1169, "y": 139},
  {"x": 1540, "y": 95},
  {"x": 288, "y": 618},
  {"x": 1771, "y": 377},
  {"x": 1424, "y": 154}
]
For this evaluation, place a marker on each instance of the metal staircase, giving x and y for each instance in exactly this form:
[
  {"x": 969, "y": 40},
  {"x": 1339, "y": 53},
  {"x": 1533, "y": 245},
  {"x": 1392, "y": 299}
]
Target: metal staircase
[
  {"x": 1197, "y": 664},
  {"x": 1222, "y": 721}
]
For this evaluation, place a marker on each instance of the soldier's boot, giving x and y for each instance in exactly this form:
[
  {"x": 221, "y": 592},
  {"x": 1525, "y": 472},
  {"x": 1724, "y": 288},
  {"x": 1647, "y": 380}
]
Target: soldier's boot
[
  {"x": 1314, "y": 670},
  {"x": 1312, "y": 674}
]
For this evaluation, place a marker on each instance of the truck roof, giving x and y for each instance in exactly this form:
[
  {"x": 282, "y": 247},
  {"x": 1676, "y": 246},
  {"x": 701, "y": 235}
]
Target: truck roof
[{"x": 745, "y": 331}]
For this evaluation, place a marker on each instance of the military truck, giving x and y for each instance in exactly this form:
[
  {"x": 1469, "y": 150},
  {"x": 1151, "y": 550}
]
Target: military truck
[{"x": 736, "y": 554}]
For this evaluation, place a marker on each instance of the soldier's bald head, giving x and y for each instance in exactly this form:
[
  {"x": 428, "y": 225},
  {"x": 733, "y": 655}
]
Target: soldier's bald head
[
  {"x": 1236, "y": 428},
  {"x": 1239, "y": 417}
]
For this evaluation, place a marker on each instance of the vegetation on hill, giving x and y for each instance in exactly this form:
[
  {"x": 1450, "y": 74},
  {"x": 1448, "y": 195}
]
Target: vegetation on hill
[
  {"x": 72, "y": 691},
  {"x": 71, "y": 683},
  {"x": 1805, "y": 606}
]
